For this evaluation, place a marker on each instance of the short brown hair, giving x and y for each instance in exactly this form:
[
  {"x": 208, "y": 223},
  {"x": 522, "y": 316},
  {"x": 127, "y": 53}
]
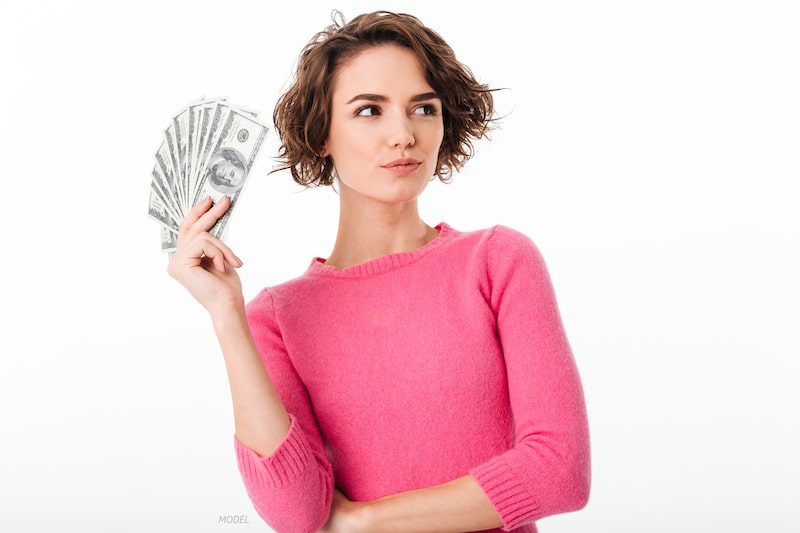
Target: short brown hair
[{"x": 302, "y": 114}]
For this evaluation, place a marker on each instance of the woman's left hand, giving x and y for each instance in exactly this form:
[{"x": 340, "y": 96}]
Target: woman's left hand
[{"x": 346, "y": 516}]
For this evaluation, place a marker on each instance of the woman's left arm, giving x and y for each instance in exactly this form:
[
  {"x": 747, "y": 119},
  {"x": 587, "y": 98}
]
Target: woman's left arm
[{"x": 547, "y": 469}]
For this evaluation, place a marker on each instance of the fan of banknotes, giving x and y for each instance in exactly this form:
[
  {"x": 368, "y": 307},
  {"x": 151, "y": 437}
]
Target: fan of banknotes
[{"x": 208, "y": 150}]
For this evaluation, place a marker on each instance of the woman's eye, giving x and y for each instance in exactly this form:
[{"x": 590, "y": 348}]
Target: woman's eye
[
  {"x": 426, "y": 109},
  {"x": 368, "y": 111}
]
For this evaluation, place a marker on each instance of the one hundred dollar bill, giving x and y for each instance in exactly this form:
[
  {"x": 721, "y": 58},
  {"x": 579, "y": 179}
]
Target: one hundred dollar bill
[
  {"x": 229, "y": 161},
  {"x": 208, "y": 150},
  {"x": 159, "y": 211}
]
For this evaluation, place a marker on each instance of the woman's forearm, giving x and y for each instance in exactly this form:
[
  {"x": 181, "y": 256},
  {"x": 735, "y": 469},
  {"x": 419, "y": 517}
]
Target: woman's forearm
[
  {"x": 260, "y": 418},
  {"x": 456, "y": 506}
]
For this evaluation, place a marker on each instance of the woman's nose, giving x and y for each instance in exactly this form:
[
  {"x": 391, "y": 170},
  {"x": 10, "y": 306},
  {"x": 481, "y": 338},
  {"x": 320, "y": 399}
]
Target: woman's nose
[{"x": 400, "y": 131}]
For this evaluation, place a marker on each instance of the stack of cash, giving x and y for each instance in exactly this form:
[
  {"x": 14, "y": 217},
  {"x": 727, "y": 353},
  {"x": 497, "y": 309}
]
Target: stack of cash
[{"x": 208, "y": 150}]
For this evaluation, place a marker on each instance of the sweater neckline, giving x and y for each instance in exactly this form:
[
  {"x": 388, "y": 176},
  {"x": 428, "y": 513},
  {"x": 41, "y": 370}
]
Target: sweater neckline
[{"x": 383, "y": 263}]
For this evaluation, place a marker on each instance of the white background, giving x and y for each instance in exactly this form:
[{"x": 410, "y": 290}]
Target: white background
[{"x": 651, "y": 149}]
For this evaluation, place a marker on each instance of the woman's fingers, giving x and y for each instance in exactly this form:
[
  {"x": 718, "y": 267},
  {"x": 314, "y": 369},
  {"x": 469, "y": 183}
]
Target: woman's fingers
[
  {"x": 204, "y": 215},
  {"x": 204, "y": 251},
  {"x": 200, "y": 219},
  {"x": 226, "y": 255},
  {"x": 210, "y": 217},
  {"x": 197, "y": 247},
  {"x": 212, "y": 254},
  {"x": 215, "y": 250},
  {"x": 202, "y": 262},
  {"x": 193, "y": 214}
]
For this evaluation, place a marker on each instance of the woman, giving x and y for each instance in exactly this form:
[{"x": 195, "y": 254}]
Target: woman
[{"x": 418, "y": 378}]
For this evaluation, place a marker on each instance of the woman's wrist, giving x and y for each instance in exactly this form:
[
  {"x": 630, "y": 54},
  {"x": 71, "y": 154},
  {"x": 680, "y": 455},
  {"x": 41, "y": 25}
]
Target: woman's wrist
[
  {"x": 349, "y": 517},
  {"x": 227, "y": 317}
]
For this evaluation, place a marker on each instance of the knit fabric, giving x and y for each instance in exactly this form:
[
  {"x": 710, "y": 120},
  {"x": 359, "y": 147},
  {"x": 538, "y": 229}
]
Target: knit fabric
[{"x": 417, "y": 368}]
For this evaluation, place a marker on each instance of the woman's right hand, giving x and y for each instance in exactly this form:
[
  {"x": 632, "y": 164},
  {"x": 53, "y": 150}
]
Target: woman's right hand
[{"x": 204, "y": 264}]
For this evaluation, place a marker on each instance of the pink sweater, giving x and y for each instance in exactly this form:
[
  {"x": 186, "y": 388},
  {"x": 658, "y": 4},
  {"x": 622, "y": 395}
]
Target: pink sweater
[{"x": 417, "y": 368}]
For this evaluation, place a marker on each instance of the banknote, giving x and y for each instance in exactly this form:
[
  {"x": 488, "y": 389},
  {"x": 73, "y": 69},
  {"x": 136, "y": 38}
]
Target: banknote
[
  {"x": 208, "y": 150},
  {"x": 228, "y": 161}
]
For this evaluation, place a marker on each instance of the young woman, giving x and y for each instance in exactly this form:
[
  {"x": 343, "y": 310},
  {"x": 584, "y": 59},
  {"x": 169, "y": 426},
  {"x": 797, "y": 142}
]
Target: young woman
[{"x": 418, "y": 378}]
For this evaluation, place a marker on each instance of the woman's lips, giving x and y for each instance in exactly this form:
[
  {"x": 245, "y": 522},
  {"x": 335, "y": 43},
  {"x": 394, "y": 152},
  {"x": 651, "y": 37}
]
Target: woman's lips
[{"x": 402, "y": 166}]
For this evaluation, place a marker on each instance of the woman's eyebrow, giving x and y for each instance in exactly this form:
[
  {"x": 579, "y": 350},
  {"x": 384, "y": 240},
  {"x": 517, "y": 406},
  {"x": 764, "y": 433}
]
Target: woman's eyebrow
[
  {"x": 370, "y": 97},
  {"x": 425, "y": 96}
]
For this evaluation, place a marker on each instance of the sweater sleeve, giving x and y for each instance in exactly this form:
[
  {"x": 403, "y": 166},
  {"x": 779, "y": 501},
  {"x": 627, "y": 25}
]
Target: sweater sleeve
[
  {"x": 292, "y": 488},
  {"x": 547, "y": 470}
]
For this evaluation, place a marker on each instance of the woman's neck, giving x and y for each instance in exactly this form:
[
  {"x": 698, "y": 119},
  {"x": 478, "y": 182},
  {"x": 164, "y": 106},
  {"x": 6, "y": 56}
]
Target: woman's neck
[{"x": 367, "y": 234}]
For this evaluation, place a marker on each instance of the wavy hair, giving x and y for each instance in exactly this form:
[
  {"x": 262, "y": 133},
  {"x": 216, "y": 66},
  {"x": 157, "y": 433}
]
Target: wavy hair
[{"x": 302, "y": 115}]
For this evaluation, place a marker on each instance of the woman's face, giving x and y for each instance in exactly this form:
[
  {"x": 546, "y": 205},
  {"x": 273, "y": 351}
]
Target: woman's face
[{"x": 386, "y": 126}]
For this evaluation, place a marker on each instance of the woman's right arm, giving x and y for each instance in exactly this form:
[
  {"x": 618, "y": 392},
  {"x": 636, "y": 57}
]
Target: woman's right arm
[
  {"x": 207, "y": 268},
  {"x": 287, "y": 478}
]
